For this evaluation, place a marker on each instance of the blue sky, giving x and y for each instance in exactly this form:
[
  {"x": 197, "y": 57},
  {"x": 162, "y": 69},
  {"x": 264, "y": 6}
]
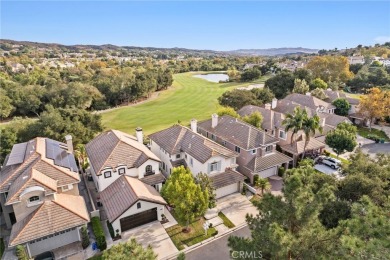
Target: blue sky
[{"x": 201, "y": 25}]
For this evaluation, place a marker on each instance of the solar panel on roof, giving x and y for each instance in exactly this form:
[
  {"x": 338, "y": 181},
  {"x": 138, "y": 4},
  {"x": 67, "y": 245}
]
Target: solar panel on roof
[
  {"x": 60, "y": 156},
  {"x": 17, "y": 154}
]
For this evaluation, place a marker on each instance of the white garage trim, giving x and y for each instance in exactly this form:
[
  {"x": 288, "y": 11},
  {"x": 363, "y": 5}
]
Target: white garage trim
[
  {"x": 269, "y": 172},
  {"x": 227, "y": 190}
]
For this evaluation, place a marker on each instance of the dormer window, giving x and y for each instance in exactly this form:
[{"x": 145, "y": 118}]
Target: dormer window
[
  {"x": 253, "y": 151},
  {"x": 121, "y": 171},
  {"x": 107, "y": 174},
  {"x": 34, "y": 199},
  {"x": 268, "y": 148},
  {"x": 138, "y": 205},
  {"x": 177, "y": 156},
  {"x": 148, "y": 168}
]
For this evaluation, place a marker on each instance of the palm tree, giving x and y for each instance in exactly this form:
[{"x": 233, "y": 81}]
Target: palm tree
[
  {"x": 294, "y": 122},
  {"x": 81, "y": 155},
  {"x": 309, "y": 127},
  {"x": 263, "y": 184}
]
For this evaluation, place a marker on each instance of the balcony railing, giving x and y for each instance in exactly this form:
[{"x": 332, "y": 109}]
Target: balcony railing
[{"x": 149, "y": 173}]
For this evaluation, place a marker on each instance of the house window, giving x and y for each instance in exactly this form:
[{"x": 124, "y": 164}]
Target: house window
[
  {"x": 177, "y": 156},
  {"x": 268, "y": 148},
  {"x": 253, "y": 151},
  {"x": 224, "y": 143},
  {"x": 282, "y": 134},
  {"x": 107, "y": 174},
  {"x": 33, "y": 199},
  {"x": 185, "y": 156},
  {"x": 67, "y": 187},
  {"x": 148, "y": 168},
  {"x": 191, "y": 162},
  {"x": 214, "y": 166},
  {"x": 212, "y": 137},
  {"x": 237, "y": 149},
  {"x": 121, "y": 171},
  {"x": 273, "y": 132},
  {"x": 138, "y": 205}
]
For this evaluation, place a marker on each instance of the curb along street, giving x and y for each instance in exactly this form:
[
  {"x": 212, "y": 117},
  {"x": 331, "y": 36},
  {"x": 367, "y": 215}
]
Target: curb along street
[{"x": 205, "y": 242}]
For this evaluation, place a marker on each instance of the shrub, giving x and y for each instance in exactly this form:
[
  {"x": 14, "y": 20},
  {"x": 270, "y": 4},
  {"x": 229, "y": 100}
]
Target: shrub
[
  {"x": 373, "y": 137},
  {"x": 99, "y": 233},
  {"x": 84, "y": 237},
  {"x": 181, "y": 256},
  {"x": 281, "y": 171},
  {"x": 255, "y": 178},
  {"x": 244, "y": 189},
  {"x": 326, "y": 153},
  {"x": 110, "y": 229},
  {"x": 21, "y": 252}
]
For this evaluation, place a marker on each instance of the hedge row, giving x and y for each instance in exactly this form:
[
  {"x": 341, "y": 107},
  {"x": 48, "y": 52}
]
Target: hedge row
[{"x": 99, "y": 233}]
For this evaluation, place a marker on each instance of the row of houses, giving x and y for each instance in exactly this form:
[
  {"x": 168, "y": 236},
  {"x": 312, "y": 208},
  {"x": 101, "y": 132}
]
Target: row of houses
[{"x": 39, "y": 195}]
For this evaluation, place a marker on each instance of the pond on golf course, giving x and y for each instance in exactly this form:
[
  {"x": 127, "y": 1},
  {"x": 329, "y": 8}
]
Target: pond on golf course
[{"x": 213, "y": 77}]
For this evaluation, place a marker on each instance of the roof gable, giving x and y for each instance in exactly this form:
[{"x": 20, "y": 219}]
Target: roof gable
[
  {"x": 113, "y": 147},
  {"x": 238, "y": 132},
  {"x": 178, "y": 139},
  {"x": 49, "y": 218},
  {"x": 125, "y": 192}
]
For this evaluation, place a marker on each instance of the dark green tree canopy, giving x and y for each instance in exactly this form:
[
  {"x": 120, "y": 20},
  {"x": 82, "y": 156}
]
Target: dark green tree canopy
[
  {"x": 342, "y": 106},
  {"x": 238, "y": 98},
  {"x": 281, "y": 84}
]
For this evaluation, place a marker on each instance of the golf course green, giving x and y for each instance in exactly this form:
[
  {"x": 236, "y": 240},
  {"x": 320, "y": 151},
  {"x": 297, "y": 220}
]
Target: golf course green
[{"x": 189, "y": 97}]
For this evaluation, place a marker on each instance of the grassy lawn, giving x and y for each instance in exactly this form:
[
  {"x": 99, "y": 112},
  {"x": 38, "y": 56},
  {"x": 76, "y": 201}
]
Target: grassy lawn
[
  {"x": 225, "y": 220},
  {"x": 2, "y": 247},
  {"x": 196, "y": 235},
  {"x": 189, "y": 98},
  {"x": 351, "y": 95},
  {"x": 363, "y": 131}
]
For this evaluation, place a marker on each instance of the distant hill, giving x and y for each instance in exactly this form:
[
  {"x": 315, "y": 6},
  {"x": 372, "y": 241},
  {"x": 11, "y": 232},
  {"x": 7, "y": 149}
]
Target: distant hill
[
  {"x": 273, "y": 51},
  {"x": 110, "y": 47}
]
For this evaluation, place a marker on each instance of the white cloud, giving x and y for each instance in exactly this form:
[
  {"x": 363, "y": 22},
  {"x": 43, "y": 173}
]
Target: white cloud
[{"x": 382, "y": 39}]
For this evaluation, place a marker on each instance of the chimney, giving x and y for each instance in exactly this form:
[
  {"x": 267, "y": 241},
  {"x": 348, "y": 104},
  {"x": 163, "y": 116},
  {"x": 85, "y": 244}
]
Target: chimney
[
  {"x": 308, "y": 94},
  {"x": 139, "y": 134},
  {"x": 274, "y": 103},
  {"x": 194, "y": 125},
  {"x": 323, "y": 122},
  {"x": 267, "y": 106},
  {"x": 69, "y": 143},
  {"x": 214, "y": 120}
]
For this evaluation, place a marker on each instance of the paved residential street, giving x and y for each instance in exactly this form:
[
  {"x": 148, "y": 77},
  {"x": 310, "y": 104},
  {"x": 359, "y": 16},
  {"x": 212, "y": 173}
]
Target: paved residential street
[
  {"x": 373, "y": 149},
  {"x": 218, "y": 249}
]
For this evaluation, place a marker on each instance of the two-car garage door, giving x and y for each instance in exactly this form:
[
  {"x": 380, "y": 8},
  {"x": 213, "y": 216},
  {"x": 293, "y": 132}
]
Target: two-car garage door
[
  {"x": 268, "y": 173},
  {"x": 138, "y": 219},
  {"x": 224, "y": 191}
]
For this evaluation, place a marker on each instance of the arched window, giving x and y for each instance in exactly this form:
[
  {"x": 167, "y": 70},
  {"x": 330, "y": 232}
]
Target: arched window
[
  {"x": 34, "y": 198},
  {"x": 148, "y": 168}
]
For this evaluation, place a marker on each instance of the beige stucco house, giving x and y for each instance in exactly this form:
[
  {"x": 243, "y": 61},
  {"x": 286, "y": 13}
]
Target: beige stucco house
[{"x": 39, "y": 196}]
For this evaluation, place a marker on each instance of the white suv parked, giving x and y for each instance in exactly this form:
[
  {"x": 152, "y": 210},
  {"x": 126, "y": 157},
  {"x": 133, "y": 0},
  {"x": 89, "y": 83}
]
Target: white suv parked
[{"x": 331, "y": 162}]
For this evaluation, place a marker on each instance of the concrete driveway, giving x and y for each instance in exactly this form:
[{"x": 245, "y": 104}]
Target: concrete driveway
[
  {"x": 235, "y": 207},
  {"x": 155, "y": 235}
]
